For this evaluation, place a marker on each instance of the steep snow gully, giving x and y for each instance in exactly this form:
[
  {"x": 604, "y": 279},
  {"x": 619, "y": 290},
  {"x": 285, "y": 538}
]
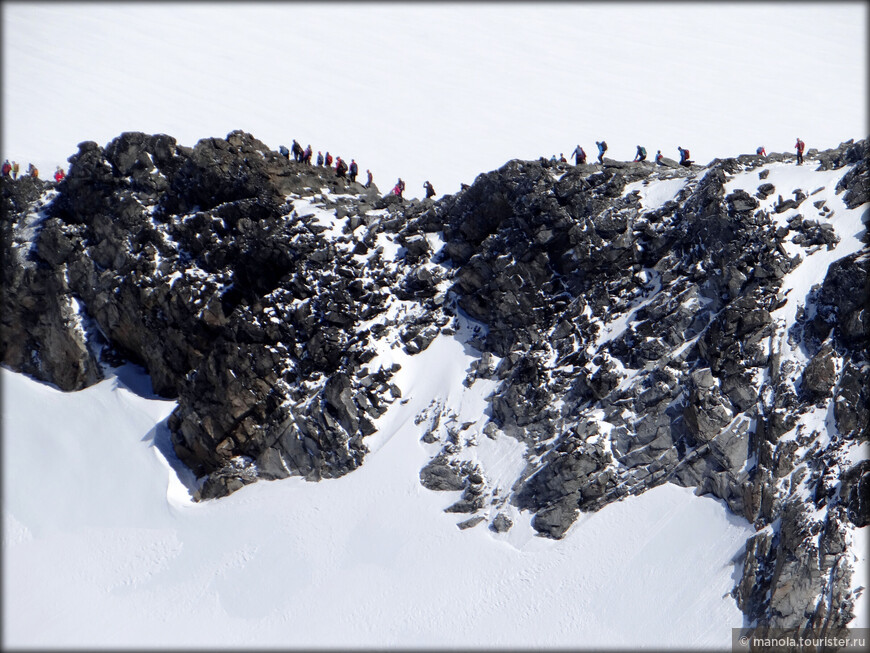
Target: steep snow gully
[{"x": 568, "y": 352}]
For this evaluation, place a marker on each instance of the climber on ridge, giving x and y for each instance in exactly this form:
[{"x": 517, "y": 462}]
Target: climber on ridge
[
  {"x": 399, "y": 188},
  {"x": 602, "y": 148},
  {"x": 430, "y": 191},
  {"x": 799, "y": 146},
  {"x": 579, "y": 155},
  {"x": 684, "y": 157},
  {"x": 340, "y": 167},
  {"x": 659, "y": 158},
  {"x": 641, "y": 154}
]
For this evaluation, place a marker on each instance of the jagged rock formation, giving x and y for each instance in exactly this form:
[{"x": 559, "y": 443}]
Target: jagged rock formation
[{"x": 632, "y": 343}]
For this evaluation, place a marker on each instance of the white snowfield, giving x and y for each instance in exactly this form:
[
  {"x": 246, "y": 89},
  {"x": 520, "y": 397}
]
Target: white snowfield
[{"x": 103, "y": 549}]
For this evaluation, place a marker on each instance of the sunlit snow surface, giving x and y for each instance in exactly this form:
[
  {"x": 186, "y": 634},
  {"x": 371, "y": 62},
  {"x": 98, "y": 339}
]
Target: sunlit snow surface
[{"x": 101, "y": 547}]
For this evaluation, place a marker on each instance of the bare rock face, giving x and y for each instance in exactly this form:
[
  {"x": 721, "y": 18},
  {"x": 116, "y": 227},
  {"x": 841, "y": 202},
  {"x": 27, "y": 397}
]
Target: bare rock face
[
  {"x": 215, "y": 268},
  {"x": 42, "y": 332},
  {"x": 193, "y": 263}
]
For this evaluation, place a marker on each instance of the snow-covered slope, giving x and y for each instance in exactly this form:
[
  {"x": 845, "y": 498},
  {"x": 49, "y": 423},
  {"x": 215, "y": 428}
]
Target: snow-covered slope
[{"x": 102, "y": 546}]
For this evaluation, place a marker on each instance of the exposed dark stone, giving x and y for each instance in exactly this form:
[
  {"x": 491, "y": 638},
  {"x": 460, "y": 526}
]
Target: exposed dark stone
[{"x": 631, "y": 347}]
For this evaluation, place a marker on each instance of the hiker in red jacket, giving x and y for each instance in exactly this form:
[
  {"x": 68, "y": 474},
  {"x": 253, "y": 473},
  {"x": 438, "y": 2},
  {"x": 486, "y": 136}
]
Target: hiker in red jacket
[
  {"x": 799, "y": 146},
  {"x": 7, "y": 168},
  {"x": 340, "y": 167},
  {"x": 399, "y": 187},
  {"x": 328, "y": 159},
  {"x": 59, "y": 174}
]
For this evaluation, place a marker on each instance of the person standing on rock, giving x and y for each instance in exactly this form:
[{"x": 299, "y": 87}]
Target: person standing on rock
[
  {"x": 297, "y": 151},
  {"x": 562, "y": 158},
  {"x": 430, "y": 191},
  {"x": 352, "y": 170},
  {"x": 799, "y": 146},
  {"x": 579, "y": 155},
  {"x": 59, "y": 174},
  {"x": 319, "y": 158},
  {"x": 368, "y": 179},
  {"x": 659, "y": 158},
  {"x": 399, "y": 188},
  {"x": 340, "y": 168},
  {"x": 602, "y": 148},
  {"x": 328, "y": 159},
  {"x": 641, "y": 154},
  {"x": 15, "y": 169},
  {"x": 306, "y": 156},
  {"x": 7, "y": 168},
  {"x": 32, "y": 170},
  {"x": 684, "y": 157}
]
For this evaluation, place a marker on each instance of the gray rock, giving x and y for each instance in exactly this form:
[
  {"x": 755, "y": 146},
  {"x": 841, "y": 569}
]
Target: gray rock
[
  {"x": 470, "y": 523},
  {"x": 439, "y": 475},
  {"x": 820, "y": 374},
  {"x": 501, "y": 523}
]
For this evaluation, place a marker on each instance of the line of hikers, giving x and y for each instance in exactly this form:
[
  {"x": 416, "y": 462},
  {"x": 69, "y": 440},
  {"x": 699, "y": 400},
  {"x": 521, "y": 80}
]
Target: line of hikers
[
  {"x": 12, "y": 169},
  {"x": 345, "y": 171},
  {"x": 342, "y": 168},
  {"x": 580, "y": 155}
]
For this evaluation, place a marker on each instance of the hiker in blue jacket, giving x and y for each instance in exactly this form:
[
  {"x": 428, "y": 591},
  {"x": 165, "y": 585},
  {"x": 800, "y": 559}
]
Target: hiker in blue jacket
[
  {"x": 641, "y": 154},
  {"x": 602, "y": 148},
  {"x": 684, "y": 157}
]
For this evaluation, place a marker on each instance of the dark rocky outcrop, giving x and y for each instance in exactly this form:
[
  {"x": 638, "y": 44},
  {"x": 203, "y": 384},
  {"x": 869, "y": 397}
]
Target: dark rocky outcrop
[{"x": 630, "y": 346}]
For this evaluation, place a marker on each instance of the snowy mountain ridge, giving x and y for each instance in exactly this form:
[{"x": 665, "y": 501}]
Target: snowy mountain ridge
[{"x": 604, "y": 329}]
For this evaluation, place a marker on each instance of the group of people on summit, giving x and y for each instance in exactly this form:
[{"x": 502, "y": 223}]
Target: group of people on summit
[
  {"x": 12, "y": 169},
  {"x": 342, "y": 168}
]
